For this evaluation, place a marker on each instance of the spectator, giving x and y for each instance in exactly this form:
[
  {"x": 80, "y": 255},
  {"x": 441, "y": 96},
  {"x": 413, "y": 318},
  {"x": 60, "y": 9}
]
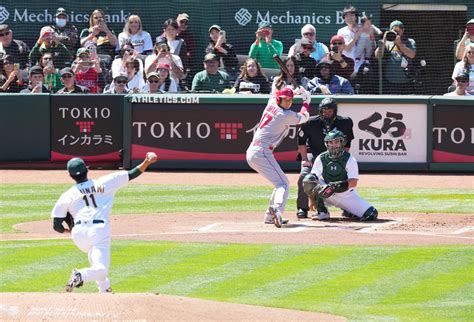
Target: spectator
[
  {"x": 466, "y": 66},
  {"x": 366, "y": 44},
  {"x": 265, "y": 47},
  {"x": 87, "y": 70},
  {"x": 119, "y": 85},
  {"x": 135, "y": 79},
  {"x": 351, "y": 32},
  {"x": 336, "y": 84},
  {"x": 134, "y": 33},
  {"x": 52, "y": 78},
  {"x": 311, "y": 144},
  {"x": 467, "y": 39},
  {"x": 162, "y": 54},
  {"x": 127, "y": 54},
  {"x": 309, "y": 32},
  {"x": 68, "y": 34},
  {"x": 99, "y": 35},
  {"x": 11, "y": 79},
  {"x": 306, "y": 63},
  {"x": 365, "y": 79},
  {"x": 69, "y": 80},
  {"x": 396, "y": 56},
  {"x": 177, "y": 45},
  {"x": 211, "y": 79},
  {"x": 281, "y": 80},
  {"x": 251, "y": 79},
  {"x": 188, "y": 37},
  {"x": 341, "y": 64},
  {"x": 462, "y": 82},
  {"x": 160, "y": 81},
  {"x": 48, "y": 42},
  {"x": 218, "y": 45},
  {"x": 16, "y": 49},
  {"x": 36, "y": 78}
]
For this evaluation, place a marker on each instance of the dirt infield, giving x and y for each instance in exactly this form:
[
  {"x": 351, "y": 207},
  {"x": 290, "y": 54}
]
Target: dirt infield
[{"x": 389, "y": 229}]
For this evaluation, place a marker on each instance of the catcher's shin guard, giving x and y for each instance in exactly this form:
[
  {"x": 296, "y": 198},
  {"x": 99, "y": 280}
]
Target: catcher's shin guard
[{"x": 369, "y": 214}]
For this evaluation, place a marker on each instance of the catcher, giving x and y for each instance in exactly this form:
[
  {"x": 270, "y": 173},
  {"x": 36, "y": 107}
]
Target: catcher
[{"x": 333, "y": 180}]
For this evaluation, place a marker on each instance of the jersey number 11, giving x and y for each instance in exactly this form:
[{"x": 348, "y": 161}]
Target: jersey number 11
[{"x": 87, "y": 201}]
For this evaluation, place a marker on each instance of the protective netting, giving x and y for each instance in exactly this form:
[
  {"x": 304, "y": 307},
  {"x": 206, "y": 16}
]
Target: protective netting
[{"x": 434, "y": 27}]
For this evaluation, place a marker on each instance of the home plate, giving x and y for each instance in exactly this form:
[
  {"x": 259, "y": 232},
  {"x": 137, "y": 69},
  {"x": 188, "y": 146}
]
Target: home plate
[
  {"x": 250, "y": 227},
  {"x": 291, "y": 227}
]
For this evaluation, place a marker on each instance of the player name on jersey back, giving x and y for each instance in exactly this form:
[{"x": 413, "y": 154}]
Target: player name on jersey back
[{"x": 92, "y": 189}]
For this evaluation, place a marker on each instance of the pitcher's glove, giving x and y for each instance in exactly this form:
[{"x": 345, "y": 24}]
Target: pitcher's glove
[
  {"x": 69, "y": 221},
  {"x": 325, "y": 190}
]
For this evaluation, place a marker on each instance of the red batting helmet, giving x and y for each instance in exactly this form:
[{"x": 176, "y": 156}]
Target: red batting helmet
[{"x": 284, "y": 93}]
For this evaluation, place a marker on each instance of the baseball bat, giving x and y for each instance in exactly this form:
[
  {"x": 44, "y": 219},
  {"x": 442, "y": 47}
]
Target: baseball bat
[{"x": 285, "y": 70}]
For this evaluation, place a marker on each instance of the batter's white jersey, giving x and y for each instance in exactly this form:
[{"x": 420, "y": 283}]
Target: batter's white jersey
[
  {"x": 273, "y": 128},
  {"x": 275, "y": 124},
  {"x": 348, "y": 200},
  {"x": 91, "y": 199}
]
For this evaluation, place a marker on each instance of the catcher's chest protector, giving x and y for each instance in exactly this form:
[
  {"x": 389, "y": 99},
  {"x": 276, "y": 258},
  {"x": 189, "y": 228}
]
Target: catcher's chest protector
[{"x": 334, "y": 170}]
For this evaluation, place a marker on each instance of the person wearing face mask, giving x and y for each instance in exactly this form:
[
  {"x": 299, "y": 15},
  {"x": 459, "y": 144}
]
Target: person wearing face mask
[{"x": 68, "y": 35}]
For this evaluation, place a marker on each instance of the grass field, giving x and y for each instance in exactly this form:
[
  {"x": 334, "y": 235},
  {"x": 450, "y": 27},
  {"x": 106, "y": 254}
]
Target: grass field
[
  {"x": 28, "y": 202},
  {"x": 360, "y": 282}
]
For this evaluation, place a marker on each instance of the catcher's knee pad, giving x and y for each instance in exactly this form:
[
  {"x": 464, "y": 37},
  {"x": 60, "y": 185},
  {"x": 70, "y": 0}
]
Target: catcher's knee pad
[
  {"x": 309, "y": 182},
  {"x": 370, "y": 214}
]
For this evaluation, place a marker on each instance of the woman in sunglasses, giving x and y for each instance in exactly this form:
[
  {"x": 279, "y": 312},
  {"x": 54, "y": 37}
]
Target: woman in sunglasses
[
  {"x": 11, "y": 80},
  {"x": 160, "y": 81},
  {"x": 118, "y": 86},
  {"x": 127, "y": 54}
]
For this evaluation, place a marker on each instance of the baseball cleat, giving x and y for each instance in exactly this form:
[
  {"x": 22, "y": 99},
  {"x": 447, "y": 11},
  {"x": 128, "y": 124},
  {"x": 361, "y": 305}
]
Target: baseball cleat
[
  {"x": 271, "y": 222},
  {"x": 74, "y": 281},
  {"x": 347, "y": 214},
  {"x": 321, "y": 216},
  {"x": 276, "y": 216},
  {"x": 302, "y": 213}
]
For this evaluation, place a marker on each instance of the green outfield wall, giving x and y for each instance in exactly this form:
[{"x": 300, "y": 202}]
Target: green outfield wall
[{"x": 212, "y": 132}]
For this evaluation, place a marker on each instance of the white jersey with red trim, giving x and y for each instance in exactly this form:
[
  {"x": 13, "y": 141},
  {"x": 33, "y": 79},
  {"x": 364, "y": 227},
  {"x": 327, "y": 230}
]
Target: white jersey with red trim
[
  {"x": 275, "y": 124},
  {"x": 92, "y": 199}
]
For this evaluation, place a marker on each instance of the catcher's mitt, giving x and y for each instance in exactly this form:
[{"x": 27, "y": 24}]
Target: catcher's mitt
[
  {"x": 325, "y": 191},
  {"x": 69, "y": 221}
]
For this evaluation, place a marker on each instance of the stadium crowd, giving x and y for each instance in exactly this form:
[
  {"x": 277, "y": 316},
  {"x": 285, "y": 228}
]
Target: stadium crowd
[{"x": 96, "y": 60}]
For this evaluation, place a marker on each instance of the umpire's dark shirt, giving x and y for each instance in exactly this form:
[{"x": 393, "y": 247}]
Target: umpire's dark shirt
[{"x": 312, "y": 133}]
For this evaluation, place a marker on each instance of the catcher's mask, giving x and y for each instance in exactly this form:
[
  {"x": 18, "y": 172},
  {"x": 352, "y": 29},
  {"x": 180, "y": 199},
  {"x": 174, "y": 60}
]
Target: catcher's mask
[
  {"x": 283, "y": 93},
  {"x": 335, "y": 141},
  {"x": 327, "y": 103}
]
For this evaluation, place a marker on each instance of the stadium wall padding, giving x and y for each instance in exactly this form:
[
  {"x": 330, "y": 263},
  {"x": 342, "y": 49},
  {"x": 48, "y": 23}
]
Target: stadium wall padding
[
  {"x": 212, "y": 132},
  {"x": 25, "y": 127}
]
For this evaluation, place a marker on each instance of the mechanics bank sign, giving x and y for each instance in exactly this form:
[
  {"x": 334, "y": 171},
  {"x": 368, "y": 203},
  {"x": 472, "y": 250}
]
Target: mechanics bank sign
[
  {"x": 46, "y": 15},
  {"x": 243, "y": 17}
]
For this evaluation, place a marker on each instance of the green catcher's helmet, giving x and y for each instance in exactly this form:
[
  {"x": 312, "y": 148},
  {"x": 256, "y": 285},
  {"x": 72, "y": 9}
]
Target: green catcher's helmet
[{"x": 335, "y": 141}]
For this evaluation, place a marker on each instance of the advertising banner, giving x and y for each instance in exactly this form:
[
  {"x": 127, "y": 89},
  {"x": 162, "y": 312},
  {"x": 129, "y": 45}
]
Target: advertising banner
[
  {"x": 453, "y": 133},
  {"x": 200, "y": 132},
  {"x": 386, "y": 133},
  {"x": 87, "y": 127}
]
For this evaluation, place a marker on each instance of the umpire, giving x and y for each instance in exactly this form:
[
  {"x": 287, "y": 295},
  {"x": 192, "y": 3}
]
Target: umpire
[{"x": 311, "y": 143}]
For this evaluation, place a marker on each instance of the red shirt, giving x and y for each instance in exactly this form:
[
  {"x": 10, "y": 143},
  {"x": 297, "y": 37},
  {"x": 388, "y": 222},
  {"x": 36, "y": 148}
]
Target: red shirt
[{"x": 89, "y": 79}]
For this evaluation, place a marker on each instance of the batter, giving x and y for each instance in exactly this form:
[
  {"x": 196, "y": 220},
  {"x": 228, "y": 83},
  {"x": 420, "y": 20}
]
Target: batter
[
  {"x": 273, "y": 128},
  {"x": 88, "y": 206}
]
